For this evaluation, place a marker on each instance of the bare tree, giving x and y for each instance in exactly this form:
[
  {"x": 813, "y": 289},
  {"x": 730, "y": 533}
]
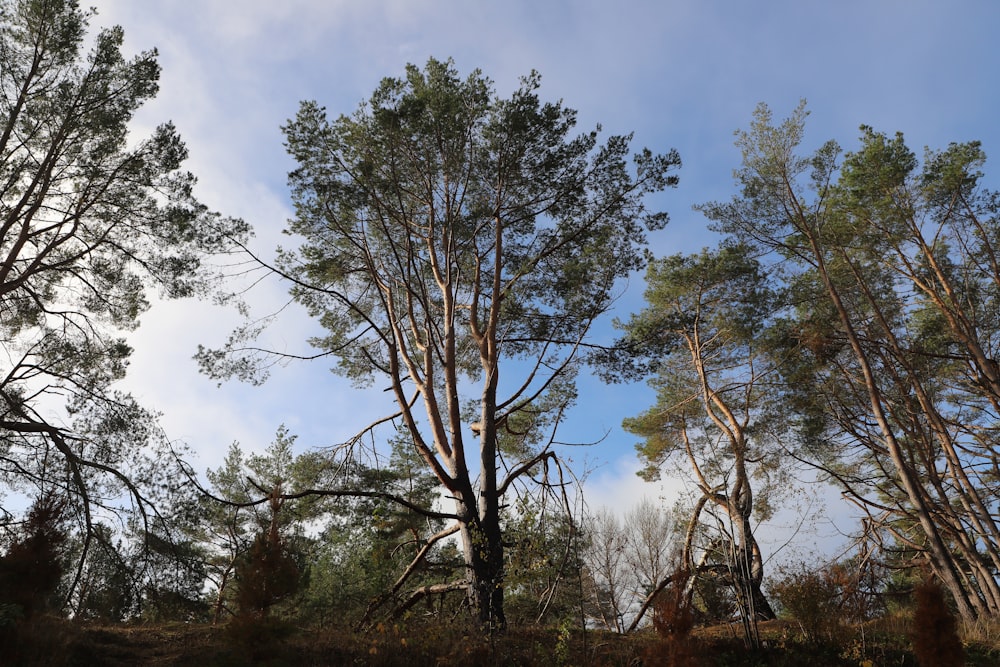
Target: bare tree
[
  {"x": 610, "y": 579},
  {"x": 653, "y": 545},
  {"x": 629, "y": 560}
]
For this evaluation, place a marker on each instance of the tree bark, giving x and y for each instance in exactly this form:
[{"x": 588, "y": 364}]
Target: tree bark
[{"x": 482, "y": 547}]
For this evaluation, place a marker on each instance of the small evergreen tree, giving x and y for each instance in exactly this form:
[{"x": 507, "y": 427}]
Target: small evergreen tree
[
  {"x": 30, "y": 573},
  {"x": 267, "y": 574},
  {"x": 31, "y": 569}
]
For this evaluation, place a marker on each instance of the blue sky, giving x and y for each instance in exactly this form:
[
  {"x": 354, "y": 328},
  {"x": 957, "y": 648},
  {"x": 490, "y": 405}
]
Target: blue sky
[{"x": 681, "y": 75}]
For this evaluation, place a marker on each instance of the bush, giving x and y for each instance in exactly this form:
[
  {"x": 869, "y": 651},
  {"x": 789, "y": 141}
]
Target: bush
[
  {"x": 812, "y": 598},
  {"x": 673, "y": 621},
  {"x": 935, "y": 635}
]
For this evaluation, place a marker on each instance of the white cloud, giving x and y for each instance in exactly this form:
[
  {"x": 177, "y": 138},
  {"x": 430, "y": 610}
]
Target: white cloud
[
  {"x": 680, "y": 74},
  {"x": 618, "y": 487}
]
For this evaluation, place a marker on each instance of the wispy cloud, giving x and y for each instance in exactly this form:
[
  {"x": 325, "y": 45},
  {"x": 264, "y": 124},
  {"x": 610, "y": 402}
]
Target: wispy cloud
[{"x": 680, "y": 74}]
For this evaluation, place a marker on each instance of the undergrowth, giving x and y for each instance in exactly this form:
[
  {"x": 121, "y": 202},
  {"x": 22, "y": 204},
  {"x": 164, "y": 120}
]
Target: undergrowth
[{"x": 419, "y": 642}]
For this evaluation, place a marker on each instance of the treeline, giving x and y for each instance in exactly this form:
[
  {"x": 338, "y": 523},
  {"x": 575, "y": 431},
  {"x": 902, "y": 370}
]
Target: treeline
[{"x": 457, "y": 248}]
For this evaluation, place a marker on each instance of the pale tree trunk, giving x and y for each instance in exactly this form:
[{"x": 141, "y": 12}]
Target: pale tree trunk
[
  {"x": 746, "y": 552},
  {"x": 482, "y": 549},
  {"x": 737, "y": 502},
  {"x": 482, "y": 539},
  {"x": 479, "y": 519},
  {"x": 484, "y": 565},
  {"x": 747, "y": 563},
  {"x": 942, "y": 560}
]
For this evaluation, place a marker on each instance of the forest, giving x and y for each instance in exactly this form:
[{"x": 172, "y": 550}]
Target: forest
[{"x": 461, "y": 251}]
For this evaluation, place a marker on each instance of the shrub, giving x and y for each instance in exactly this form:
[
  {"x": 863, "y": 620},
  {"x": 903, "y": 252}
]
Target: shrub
[
  {"x": 935, "y": 635},
  {"x": 673, "y": 621},
  {"x": 811, "y": 598}
]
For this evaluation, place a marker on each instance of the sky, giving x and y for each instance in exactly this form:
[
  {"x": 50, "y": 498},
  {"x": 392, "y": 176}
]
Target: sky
[{"x": 679, "y": 74}]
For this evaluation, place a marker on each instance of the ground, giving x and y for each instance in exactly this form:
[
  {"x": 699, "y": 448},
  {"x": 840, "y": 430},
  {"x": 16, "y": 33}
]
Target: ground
[{"x": 57, "y": 642}]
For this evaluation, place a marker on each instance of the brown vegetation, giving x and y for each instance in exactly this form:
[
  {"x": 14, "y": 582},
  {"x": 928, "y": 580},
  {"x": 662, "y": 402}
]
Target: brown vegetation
[
  {"x": 935, "y": 636},
  {"x": 414, "y": 643},
  {"x": 673, "y": 622}
]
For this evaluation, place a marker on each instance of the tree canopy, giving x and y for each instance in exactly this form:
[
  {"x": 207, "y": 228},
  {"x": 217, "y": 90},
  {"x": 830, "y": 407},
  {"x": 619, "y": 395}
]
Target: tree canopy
[
  {"x": 459, "y": 246},
  {"x": 91, "y": 220},
  {"x": 890, "y": 340}
]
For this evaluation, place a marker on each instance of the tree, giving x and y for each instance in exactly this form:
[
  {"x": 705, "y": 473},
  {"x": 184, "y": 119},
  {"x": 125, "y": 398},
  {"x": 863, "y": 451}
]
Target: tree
[
  {"x": 89, "y": 222},
  {"x": 31, "y": 568},
  {"x": 629, "y": 561},
  {"x": 652, "y": 550},
  {"x": 703, "y": 331},
  {"x": 890, "y": 348},
  {"x": 450, "y": 237},
  {"x": 267, "y": 573},
  {"x": 30, "y": 573},
  {"x": 607, "y": 564},
  {"x": 237, "y": 532}
]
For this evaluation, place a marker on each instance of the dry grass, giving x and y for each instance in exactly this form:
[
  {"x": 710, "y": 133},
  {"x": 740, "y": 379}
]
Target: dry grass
[{"x": 985, "y": 632}]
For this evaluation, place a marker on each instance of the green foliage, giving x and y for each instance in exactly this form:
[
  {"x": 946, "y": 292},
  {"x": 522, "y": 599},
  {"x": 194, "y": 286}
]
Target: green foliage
[
  {"x": 713, "y": 600},
  {"x": 32, "y": 567},
  {"x": 266, "y": 575},
  {"x": 350, "y": 549},
  {"x": 563, "y": 639},
  {"x": 700, "y": 331},
  {"x": 434, "y": 127},
  {"x": 92, "y": 220},
  {"x": 172, "y": 563}
]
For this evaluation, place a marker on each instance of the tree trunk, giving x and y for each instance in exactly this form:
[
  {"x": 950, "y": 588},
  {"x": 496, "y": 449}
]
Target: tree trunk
[
  {"x": 941, "y": 557},
  {"x": 483, "y": 550},
  {"x": 754, "y": 576}
]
